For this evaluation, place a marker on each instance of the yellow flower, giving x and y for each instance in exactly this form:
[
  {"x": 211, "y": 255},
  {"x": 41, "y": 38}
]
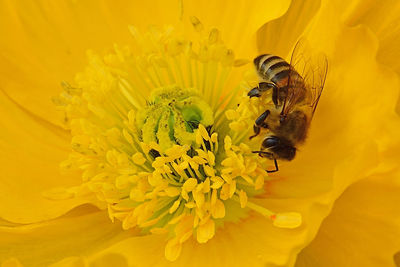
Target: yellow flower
[{"x": 157, "y": 173}]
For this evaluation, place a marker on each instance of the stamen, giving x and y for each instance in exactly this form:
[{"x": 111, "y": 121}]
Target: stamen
[{"x": 282, "y": 220}]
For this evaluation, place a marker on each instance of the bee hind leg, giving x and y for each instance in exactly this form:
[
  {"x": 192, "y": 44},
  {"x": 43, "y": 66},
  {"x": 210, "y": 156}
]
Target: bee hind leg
[
  {"x": 262, "y": 87},
  {"x": 260, "y": 123}
]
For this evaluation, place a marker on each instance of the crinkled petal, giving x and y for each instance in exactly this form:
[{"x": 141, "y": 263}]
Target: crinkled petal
[
  {"x": 363, "y": 227},
  {"x": 383, "y": 19},
  {"x": 277, "y": 36},
  {"x": 345, "y": 142},
  {"x": 83, "y": 231},
  {"x": 348, "y": 122}
]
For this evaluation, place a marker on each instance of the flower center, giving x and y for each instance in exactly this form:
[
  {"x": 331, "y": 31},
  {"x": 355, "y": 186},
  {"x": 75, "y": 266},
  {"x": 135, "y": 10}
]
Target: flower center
[
  {"x": 172, "y": 115},
  {"x": 153, "y": 143}
]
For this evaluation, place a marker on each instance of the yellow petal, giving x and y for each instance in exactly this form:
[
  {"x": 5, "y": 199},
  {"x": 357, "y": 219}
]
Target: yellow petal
[
  {"x": 277, "y": 36},
  {"x": 80, "y": 232},
  {"x": 12, "y": 262},
  {"x": 47, "y": 42},
  {"x": 254, "y": 240},
  {"x": 382, "y": 19},
  {"x": 363, "y": 227},
  {"x": 397, "y": 258},
  {"x": 239, "y": 16},
  {"x": 337, "y": 152},
  {"x": 30, "y": 155},
  {"x": 107, "y": 260},
  {"x": 282, "y": 245},
  {"x": 74, "y": 262}
]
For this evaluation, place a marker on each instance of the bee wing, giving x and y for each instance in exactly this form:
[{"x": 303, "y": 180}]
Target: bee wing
[
  {"x": 316, "y": 80},
  {"x": 313, "y": 68}
]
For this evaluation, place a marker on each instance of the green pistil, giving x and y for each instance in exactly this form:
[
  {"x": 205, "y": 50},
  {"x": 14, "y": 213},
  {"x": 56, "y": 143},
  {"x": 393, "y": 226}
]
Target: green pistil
[{"x": 171, "y": 117}]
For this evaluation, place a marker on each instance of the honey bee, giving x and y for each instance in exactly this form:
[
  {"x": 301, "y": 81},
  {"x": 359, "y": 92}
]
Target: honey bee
[{"x": 292, "y": 91}]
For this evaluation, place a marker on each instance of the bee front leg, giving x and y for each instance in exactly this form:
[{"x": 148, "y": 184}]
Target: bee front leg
[
  {"x": 260, "y": 123},
  {"x": 257, "y": 130},
  {"x": 262, "y": 87},
  {"x": 269, "y": 155},
  {"x": 276, "y": 167}
]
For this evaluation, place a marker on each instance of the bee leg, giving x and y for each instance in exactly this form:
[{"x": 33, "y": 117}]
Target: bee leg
[
  {"x": 262, "y": 87},
  {"x": 260, "y": 123},
  {"x": 276, "y": 167},
  {"x": 254, "y": 92},
  {"x": 260, "y": 120},
  {"x": 275, "y": 96},
  {"x": 265, "y": 86},
  {"x": 256, "y": 131},
  {"x": 269, "y": 154}
]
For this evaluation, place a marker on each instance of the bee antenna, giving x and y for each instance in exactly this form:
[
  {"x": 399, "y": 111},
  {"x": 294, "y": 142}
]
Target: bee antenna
[{"x": 260, "y": 152}]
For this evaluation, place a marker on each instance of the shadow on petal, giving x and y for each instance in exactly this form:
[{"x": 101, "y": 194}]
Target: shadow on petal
[{"x": 83, "y": 231}]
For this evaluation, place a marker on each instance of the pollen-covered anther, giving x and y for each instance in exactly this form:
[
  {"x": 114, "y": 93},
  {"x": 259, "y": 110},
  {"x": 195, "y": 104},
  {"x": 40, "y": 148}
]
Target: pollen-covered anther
[{"x": 288, "y": 220}]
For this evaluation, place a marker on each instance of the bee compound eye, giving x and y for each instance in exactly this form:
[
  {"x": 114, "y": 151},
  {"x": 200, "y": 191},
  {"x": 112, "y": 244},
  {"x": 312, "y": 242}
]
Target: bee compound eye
[{"x": 270, "y": 142}]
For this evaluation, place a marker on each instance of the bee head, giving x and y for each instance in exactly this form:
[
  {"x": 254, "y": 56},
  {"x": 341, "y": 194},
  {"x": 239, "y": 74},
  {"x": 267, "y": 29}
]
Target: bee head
[{"x": 278, "y": 148}]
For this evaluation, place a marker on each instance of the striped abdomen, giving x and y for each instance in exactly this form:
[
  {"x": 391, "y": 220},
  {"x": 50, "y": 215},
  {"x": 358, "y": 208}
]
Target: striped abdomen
[{"x": 275, "y": 69}]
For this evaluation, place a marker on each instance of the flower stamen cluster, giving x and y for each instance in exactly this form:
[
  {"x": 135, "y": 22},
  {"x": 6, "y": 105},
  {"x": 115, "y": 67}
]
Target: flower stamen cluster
[{"x": 153, "y": 144}]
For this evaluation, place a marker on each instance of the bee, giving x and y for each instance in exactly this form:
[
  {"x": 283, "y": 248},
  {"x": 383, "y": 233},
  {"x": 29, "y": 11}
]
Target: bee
[{"x": 292, "y": 91}]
